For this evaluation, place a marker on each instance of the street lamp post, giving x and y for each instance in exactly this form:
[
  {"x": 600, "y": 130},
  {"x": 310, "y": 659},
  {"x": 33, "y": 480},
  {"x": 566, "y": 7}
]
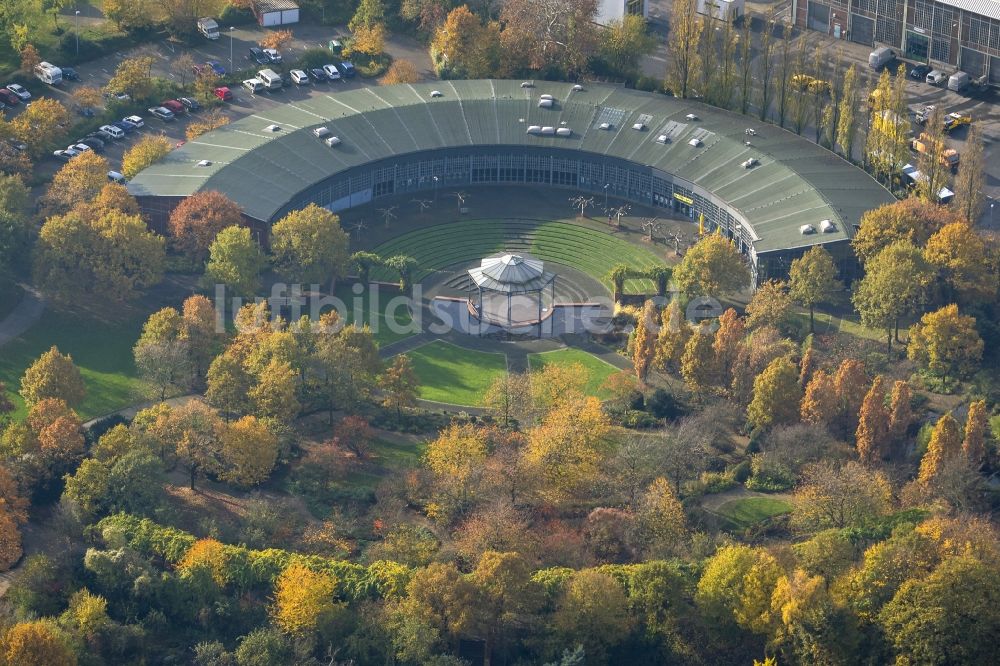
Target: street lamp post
[
  {"x": 435, "y": 189},
  {"x": 231, "y": 49},
  {"x": 606, "y": 186},
  {"x": 77, "y": 31},
  {"x": 992, "y": 204}
]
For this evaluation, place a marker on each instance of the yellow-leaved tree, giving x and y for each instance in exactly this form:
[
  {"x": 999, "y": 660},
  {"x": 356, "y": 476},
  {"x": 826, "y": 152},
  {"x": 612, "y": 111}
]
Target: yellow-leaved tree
[
  {"x": 249, "y": 451},
  {"x": 567, "y": 448},
  {"x": 304, "y": 601},
  {"x": 776, "y": 395},
  {"x": 53, "y": 375},
  {"x": 945, "y": 443},
  {"x": 208, "y": 555},
  {"x": 149, "y": 149}
]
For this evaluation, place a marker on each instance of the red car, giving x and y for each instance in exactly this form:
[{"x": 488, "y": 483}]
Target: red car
[
  {"x": 9, "y": 98},
  {"x": 174, "y": 106},
  {"x": 224, "y": 93}
]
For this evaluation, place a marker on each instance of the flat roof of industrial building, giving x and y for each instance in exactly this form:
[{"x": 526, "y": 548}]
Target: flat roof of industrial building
[{"x": 263, "y": 161}]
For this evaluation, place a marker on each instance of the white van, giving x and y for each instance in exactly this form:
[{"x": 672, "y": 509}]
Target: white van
[
  {"x": 209, "y": 28},
  {"x": 270, "y": 79},
  {"x": 881, "y": 57},
  {"x": 115, "y": 177},
  {"x": 48, "y": 73},
  {"x": 959, "y": 81}
]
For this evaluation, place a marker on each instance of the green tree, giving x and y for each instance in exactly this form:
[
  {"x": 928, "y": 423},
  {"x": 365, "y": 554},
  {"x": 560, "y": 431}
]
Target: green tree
[
  {"x": 309, "y": 246},
  {"x": 133, "y": 77},
  {"x": 776, "y": 395},
  {"x": 770, "y": 305},
  {"x": 53, "y": 375},
  {"x": 736, "y": 587},
  {"x": 364, "y": 262},
  {"x": 593, "y": 612},
  {"x": 113, "y": 256},
  {"x": 896, "y": 283},
  {"x": 812, "y": 280},
  {"x": 698, "y": 361},
  {"x": 15, "y": 225},
  {"x": 950, "y": 616},
  {"x": 368, "y": 14},
  {"x": 713, "y": 266},
  {"x": 399, "y": 384},
  {"x": 624, "y": 42},
  {"x": 644, "y": 340},
  {"x": 229, "y": 384},
  {"x": 946, "y": 344},
  {"x": 235, "y": 260},
  {"x": 275, "y": 396}
]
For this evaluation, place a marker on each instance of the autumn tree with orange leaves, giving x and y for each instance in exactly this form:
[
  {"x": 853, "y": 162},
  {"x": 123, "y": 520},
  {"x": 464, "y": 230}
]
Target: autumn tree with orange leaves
[
  {"x": 197, "y": 220},
  {"x": 873, "y": 424}
]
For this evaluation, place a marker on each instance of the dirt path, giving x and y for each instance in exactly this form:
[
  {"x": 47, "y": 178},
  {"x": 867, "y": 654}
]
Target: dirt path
[
  {"x": 23, "y": 316},
  {"x": 713, "y": 502}
]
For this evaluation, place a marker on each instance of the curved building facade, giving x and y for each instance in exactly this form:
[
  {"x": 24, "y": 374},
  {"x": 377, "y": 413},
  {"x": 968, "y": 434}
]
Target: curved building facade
[{"x": 776, "y": 194}]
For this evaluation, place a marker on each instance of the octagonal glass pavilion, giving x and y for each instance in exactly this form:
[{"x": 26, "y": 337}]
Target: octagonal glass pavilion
[{"x": 511, "y": 290}]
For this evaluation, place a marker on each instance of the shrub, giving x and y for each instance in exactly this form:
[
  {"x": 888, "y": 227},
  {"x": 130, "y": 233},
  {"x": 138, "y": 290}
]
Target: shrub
[
  {"x": 767, "y": 475},
  {"x": 663, "y": 405},
  {"x": 312, "y": 58}
]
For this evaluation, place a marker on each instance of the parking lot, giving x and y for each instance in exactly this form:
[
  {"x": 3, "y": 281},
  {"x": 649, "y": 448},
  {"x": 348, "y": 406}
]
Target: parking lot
[{"x": 236, "y": 43}]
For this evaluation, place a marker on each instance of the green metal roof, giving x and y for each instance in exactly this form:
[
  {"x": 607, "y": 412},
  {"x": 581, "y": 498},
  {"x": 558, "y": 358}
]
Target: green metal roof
[{"x": 262, "y": 169}]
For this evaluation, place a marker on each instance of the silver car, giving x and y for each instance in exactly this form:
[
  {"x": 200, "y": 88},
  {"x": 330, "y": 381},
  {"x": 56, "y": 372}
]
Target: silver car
[{"x": 936, "y": 77}]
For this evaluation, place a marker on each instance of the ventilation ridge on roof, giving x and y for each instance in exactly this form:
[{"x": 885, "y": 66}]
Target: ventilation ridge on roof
[
  {"x": 461, "y": 107},
  {"x": 395, "y": 111}
]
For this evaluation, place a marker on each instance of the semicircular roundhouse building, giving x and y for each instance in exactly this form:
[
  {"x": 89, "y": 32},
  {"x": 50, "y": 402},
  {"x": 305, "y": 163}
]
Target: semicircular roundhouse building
[{"x": 774, "y": 193}]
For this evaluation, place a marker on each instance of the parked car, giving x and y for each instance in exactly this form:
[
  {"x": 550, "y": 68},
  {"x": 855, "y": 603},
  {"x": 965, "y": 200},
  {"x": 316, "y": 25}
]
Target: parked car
[
  {"x": 920, "y": 72},
  {"x": 216, "y": 67},
  {"x": 332, "y": 73},
  {"x": 189, "y": 103},
  {"x": 19, "y": 146},
  {"x": 79, "y": 147},
  {"x": 936, "y": 77},
  {"x": 174, "y": 106},
  {"x": 135, "y": 121},
  {"x": 317, "y": 74},
  {"x": 65, "y": 155},
  {"x": 254, "y": 86},
  {"x": 70, "y": 74},
  {"x": 162, "y": 113},
  {"x": 336, "y": 45},
  {"x": 347, "y": 69},
  {"x": 97, "y": 134},
  {"x": 86, "y": 111},
  {"x": 223, "y": 93},
  {"x": 93, "y": 143},
  {"x": 286, "y": 79},
  {"x": 116, "y": 177},
  {"x": 299, "y": 77},
  {"x": 20, "y": 91},
  {"x": 123, "y": 126},
  {"x": 118, "y": 96},
  {"x": 115, "y": 132},
  {"x": 258, "y": 56},
  {"x": 924, "y": 114},
  {"x": 273, "y": 56},
  {"x": 9, "y": 98}
]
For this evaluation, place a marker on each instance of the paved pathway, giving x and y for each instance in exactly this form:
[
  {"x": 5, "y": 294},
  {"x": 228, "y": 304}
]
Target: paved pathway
[{"x": 23, "y": 316}]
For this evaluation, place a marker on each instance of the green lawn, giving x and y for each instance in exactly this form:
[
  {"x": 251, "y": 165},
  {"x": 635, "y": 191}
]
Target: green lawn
[
  {"x": 589, "y": 250},
  {"x": 386, "y": 457},
  {"x": 752, "y": 510},
  {"x": 101, "y": 348},
  {"x": 453, "y": 374},
  {"x": 597, "y": 370},
  {"x": 360, "y": 309}
]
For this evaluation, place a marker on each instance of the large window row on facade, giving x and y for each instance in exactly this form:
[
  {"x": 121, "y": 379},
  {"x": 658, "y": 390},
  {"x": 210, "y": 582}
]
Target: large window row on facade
[{"x": 428, "y": 172}]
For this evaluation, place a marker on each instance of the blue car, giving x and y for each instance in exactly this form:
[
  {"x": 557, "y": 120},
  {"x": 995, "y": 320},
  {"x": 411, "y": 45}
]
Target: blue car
[
  {"x": 123, "y": 126},
  {"x": 346, "y": 69},
  {"x": 216, "y": 67}
]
